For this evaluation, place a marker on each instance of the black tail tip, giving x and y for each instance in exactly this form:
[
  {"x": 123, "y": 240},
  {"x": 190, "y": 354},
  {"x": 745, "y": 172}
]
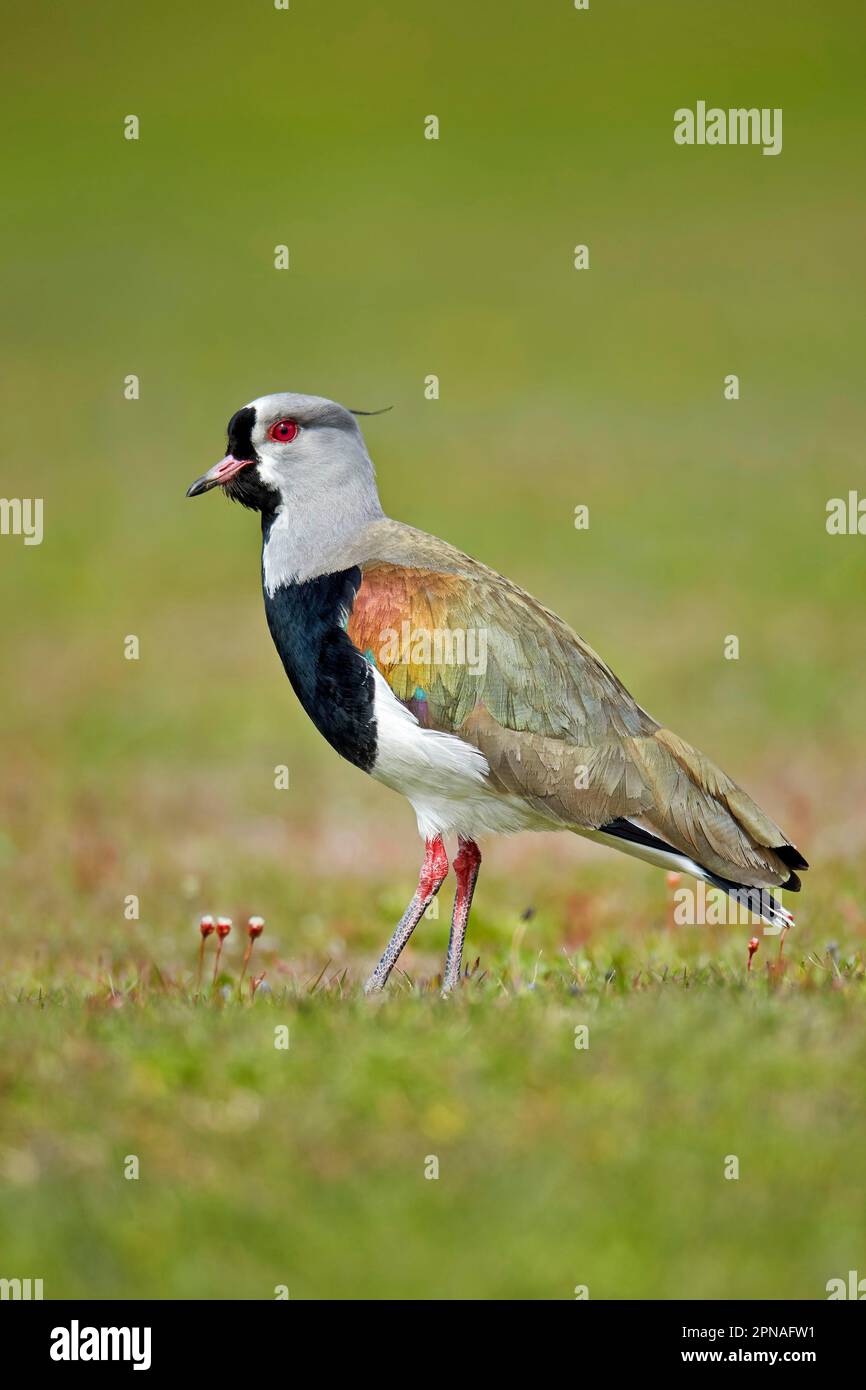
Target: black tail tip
[{"x": 791, "y": 857}]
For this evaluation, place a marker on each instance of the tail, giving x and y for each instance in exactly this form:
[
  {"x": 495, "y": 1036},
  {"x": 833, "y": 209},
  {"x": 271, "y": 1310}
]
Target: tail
[
  {"x": 636, "y": 840},
  {"x": 758, "y": 901}
]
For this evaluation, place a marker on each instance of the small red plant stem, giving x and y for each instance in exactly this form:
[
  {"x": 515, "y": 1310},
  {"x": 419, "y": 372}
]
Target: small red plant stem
[
  {"x": 255, "y": 927},
  {"x": 224, "y": 926},
  {"x": 246, "y": 960},
  {"x": 205, "y": 928}
]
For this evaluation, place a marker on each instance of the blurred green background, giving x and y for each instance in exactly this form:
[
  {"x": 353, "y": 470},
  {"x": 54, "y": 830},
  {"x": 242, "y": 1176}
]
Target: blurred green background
[{"x": 155, "y": 777}]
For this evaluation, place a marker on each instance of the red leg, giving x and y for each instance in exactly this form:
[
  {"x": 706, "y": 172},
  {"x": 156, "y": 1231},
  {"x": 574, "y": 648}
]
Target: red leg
[
  {"x": 433, "y": 873},
  {"x": 466, "y": 866}
]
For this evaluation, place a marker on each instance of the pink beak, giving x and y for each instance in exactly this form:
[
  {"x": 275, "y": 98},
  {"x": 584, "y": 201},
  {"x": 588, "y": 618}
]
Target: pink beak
[{"x": 219, "y": 475}]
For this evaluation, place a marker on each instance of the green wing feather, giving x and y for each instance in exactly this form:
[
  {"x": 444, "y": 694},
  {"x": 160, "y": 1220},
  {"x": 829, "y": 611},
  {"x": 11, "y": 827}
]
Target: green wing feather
[{"x": 474, "y": 655}]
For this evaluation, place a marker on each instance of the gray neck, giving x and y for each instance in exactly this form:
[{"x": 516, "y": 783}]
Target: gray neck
[{"x": 304, "y": 538}]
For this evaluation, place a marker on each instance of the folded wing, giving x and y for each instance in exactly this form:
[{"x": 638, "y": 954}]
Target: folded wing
[{"x": 473, "y": 655}]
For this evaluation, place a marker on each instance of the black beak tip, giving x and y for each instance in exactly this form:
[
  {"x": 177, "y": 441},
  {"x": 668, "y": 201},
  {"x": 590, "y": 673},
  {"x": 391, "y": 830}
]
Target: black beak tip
[{"x": 198, "y": 487}]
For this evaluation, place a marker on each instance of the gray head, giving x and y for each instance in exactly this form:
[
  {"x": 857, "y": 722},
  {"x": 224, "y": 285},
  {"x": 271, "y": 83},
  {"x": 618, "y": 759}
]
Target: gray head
[{"x": 301, "y": 461}]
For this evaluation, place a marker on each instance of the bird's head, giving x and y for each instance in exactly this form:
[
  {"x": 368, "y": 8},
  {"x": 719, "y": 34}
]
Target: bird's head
[{"x": 290, "y": 450}]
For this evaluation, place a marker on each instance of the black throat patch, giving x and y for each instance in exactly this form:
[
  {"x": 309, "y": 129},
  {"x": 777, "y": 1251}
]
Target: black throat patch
[{"x": 330, "y": 677}]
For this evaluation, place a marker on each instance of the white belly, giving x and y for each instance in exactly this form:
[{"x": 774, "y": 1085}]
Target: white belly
[{"x": 444, "y": 778}]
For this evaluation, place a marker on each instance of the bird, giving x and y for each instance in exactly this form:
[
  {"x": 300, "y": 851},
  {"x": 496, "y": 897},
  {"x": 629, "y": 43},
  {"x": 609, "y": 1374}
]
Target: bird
[{"x": 450, "y": 684}]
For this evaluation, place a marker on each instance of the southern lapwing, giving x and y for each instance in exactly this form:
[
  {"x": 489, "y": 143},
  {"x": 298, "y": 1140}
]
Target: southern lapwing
[{"x": 452, "y": 685}]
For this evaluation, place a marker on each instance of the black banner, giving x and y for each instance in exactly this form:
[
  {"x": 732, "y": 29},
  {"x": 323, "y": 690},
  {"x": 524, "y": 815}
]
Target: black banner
[{"x": 63, "y": 1338}]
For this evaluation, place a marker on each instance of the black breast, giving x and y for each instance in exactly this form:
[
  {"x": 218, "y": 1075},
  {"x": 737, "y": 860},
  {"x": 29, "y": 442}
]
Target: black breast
[{"x": 330, "y": 677}]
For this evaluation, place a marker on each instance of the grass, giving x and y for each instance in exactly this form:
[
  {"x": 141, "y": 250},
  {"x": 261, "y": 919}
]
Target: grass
[{"x": 304, "y": 1166}]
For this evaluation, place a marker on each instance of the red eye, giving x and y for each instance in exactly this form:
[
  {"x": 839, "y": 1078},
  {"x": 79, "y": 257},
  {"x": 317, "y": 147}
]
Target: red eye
[{"x": 283, "y": 432}]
